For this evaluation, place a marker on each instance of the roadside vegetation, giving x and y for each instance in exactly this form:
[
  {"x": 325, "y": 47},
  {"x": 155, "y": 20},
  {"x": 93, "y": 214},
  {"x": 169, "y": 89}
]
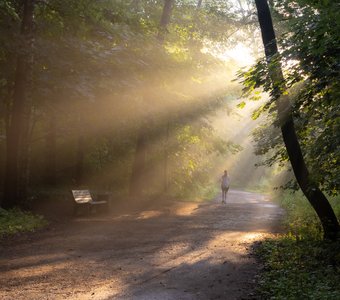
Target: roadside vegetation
[
  {"x": 16, "y": 221},
  {"x": 300, "y": 264}
]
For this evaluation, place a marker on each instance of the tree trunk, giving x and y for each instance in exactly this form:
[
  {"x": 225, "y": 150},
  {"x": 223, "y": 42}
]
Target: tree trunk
[
  {"x": 166, "y": 159},
  {"x": 139, "y": 164},
  {"x": 199, "y": 3},
  {"x": 24, "y": 155},
  {"x": 80, "y": 161},
  {"x": 17, "y": 134},
  {"x": 165, "y": 19},
  {"x": 135, "y": 5},
  {"x": 51, "y": 150},
  {"x": 164, "y": 22},
  {"x": 310, "y": 189},
  {"x": 137, "y": 181}
]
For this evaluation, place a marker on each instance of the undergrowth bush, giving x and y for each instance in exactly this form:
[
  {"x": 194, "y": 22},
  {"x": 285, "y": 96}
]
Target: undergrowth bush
[
  {"x": 301, "y": 220},
  {"x": 299, "y": 264},
  {"x": 299, "y": 269},
  {"x": 14, "y": 221}
]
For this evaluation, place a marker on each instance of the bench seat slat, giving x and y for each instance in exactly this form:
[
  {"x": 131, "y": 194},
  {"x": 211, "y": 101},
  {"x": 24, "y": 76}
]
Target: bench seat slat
[{"x": 82, "y": 196}]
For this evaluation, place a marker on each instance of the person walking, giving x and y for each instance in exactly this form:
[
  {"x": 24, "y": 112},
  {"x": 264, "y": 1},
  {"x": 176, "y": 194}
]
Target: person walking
[{"x": 225, "y": 182}]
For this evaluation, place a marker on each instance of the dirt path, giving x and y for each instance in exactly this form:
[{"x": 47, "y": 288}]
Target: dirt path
[{"x": 181, "y": 251}]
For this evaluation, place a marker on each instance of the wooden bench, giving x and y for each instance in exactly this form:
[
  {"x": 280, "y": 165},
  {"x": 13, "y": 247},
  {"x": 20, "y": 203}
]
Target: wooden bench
[{"x": 83, "y": 198}]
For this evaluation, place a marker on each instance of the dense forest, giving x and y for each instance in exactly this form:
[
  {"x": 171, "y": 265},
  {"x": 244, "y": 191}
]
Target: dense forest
[
  {"x": 118, "y": 94},
  {"x": 114, "y": 94},
  {"x": 121, "y": 95},
  {"x": 155, "y": 99}
]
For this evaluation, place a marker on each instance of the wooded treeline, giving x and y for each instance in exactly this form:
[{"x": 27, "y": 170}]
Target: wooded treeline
[
  {"x": 308, "y": 62},
  {"x": 118, "y": 94},
  {"x": 114, "y": 94}
]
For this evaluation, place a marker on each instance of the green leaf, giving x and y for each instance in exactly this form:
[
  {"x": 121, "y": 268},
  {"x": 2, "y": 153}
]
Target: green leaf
[{"x": 241, "y": 104}]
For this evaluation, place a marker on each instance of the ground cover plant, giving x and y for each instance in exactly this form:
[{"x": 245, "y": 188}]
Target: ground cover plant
[
  {"x": 299, "y": 264},
  {"x": 15, "y": 221}
]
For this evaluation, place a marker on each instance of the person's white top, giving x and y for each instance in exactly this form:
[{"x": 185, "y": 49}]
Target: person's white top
[{"x": 225, "y": 181}]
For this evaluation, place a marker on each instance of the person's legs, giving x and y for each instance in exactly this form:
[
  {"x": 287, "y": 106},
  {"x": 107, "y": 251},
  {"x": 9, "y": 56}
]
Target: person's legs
[{"x": 224, "y": 195}]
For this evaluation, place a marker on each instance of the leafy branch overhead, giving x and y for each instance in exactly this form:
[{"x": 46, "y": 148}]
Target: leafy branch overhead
[
  {"x": 96, "y": 71},
  {"x": 309, "y": 53}
]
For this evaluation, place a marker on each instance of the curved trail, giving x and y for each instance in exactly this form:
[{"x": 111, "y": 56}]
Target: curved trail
[{"x": 178, "y": 251}]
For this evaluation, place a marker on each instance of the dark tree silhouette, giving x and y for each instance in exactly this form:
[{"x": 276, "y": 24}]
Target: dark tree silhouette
[
  {"x": 165, "y": 19},
  {"x": 139, "y": 164},
  {"x": 16, "y": 173},
  {"x": 310, "y": 188},
  {"x": 163, "y": 25},
  {"x": 138, "y": 168}
]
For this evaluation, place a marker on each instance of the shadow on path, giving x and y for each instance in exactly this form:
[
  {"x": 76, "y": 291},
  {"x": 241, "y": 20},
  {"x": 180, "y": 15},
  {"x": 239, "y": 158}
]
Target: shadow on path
[{"x": 177, "y": 251}]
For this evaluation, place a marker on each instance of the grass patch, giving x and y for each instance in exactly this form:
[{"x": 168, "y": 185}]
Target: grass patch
[
  {"x": 15, "y": 221},
  {"x": 299, "y": 269},
  {"x": 299, "y": 264},
  {"x": 301, "y": 220}
]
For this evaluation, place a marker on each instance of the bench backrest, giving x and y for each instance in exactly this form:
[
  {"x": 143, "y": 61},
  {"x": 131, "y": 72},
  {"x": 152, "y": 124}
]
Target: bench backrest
[{"x": 82, "y": 196}]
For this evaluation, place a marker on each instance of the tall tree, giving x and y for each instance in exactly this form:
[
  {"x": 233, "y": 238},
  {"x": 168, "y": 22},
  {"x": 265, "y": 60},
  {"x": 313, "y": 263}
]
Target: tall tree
[
  {"x": 137, "y": 181},
  {"x": 164, "y": 22},
  {"x": 310, "y": 188},
  {"x": 165, "y": 19},
  {"x": 79, "y": 167},
  {"x": 17, "y": 134},
  {"x": 51, "y": 149},
  {"x": 139, "y": 164},
  {"x": 163, "y": 27}
]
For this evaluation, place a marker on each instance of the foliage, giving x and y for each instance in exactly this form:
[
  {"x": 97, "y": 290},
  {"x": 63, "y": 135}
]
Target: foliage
[
  {"x": 309, "y": 53},
  {"x": 99, "y": 72},
  {"x": 293, "y": 269},
  {"x": 300, "y": 220},
  {"x": 191, "y": 168},
  {"x": 16, "y": 221},
  {"x": 299, "y": 264}
]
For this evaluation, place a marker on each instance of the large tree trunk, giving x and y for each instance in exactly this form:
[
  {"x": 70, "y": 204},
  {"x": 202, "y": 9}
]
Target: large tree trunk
[
  {"x": 310, "y": 189},
  {"x": 165, "y": 19},
  {"x": 137, "y": 180},
  {"x": 51, "y": 149},
  {"x": 139, "y": 164},
  {"x": 163, "y": 25},
  {"x": 17, "y": 134},
  {"x": 166, "y": 159},
  {"x": 79, "y": 171}
]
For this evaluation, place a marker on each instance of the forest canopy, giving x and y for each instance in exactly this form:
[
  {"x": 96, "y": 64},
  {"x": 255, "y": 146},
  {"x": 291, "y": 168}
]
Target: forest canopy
[
  {"x": 123, "y": 95},
  {"x": 112, "y": 95},
  {"x": 310, "y": 54}
]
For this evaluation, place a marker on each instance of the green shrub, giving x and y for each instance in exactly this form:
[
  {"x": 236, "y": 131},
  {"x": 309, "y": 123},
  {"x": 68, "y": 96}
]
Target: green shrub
[
  {"x": 299, "y": 264},
  {"x": 301, "y": 220},
  {"x": 14, "y": 221},
  {"x": 299, "y": 269}
]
